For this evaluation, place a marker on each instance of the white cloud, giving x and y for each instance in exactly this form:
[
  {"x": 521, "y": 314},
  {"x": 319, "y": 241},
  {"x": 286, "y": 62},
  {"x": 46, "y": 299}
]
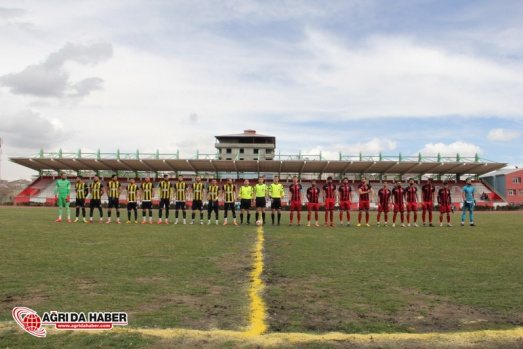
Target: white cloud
[
  {"x": 51, "y": 79},
  {"x": 452, "y": 149},
  {"x": 502, "y": 135},
  {"x": 29, "y": 130},
  {"x": 370, "y": 148}
]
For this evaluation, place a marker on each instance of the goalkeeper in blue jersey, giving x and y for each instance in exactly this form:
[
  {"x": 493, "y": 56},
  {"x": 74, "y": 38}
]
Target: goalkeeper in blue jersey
[
  {"x": 62, "y": 193},
  {"x": 468, "y": 202}
]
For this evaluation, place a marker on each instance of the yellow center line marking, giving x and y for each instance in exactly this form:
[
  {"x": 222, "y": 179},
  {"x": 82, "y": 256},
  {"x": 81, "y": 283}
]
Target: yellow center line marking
[{"x": 257, "y": 316}]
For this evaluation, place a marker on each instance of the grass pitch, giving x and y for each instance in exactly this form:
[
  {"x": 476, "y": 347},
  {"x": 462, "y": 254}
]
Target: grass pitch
[{"x": 317, "y": 279}]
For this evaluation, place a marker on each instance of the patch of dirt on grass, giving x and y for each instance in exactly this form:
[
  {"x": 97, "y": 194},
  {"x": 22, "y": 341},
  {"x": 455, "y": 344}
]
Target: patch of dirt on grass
[
  {"x": 201, "y": 312},
  {"x": 429, "y": 313},
  {"x": 147, "y": 279},
  {"x": 35, "y": 297},
  {"x": 301, "y": 305}
]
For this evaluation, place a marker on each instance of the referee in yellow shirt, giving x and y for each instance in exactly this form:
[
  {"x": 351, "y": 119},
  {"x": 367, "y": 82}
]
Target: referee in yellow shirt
[
  {"x": 276, "y": 193},
  {"x": 261, "y": 191},
  {"x": 246, "y": 195}
]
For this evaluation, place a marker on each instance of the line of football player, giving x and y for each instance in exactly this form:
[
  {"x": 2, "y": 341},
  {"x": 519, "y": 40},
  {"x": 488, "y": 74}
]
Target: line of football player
[{"x": 402, "y": 200}]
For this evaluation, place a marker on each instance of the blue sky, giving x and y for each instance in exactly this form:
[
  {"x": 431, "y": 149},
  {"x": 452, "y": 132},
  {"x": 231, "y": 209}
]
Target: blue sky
[{"x": 336, "y": 76}]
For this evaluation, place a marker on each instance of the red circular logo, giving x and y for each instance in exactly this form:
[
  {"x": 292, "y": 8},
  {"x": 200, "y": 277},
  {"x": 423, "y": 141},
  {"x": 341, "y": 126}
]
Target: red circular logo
[{"x": 32, "y": 322}]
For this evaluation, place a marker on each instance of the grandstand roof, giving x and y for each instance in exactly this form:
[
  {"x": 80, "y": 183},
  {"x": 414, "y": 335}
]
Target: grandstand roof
[{"x": 276, "y": 166}]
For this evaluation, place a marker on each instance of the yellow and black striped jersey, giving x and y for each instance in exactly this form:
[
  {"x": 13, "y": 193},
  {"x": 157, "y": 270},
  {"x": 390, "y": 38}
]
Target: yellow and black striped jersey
[
  {"x": 96, "y": 190},
  {"x": 147, "y": 191},
  {"x": 197, "y": 191},
  {"x": 81, "y": 190},
  {"x": 132, "y": 190},
  {"x": 229, "y": 191},
  {"x": 276, "y": 191},
  {"x": 114, "y": 189},
  {"x": 166, "y": 189},
  {"x": 246, "y": 192},
  {"x": 180, "y": 189},
  {"x": 213, "y": 192}
]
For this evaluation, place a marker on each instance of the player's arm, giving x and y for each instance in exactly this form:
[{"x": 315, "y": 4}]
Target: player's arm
[
  {"x": 371, "y": 194},
  {"x": 463, "y": 194}
]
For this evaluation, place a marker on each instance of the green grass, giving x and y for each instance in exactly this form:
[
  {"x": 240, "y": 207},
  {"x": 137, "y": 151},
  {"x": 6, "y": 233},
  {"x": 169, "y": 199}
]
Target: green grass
[{"x": 352, "y": 280}]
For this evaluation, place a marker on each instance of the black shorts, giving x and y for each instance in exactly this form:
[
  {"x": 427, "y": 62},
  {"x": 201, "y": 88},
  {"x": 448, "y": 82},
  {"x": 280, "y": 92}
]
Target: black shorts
[
  {"x": 95, "y": 203},
  {"x": 245, "y": 204},
  {"x": 147, "y": 205},
  {"x": 229, "y": 206},
  {"x": 212, "y": 205},
  {"x": 197, "y": 205},
  {"x": 132, "y": 206},
  {"x": 165, "y": 203},
  {"x": 80, "y": 202},
  {"x": 276, "y": 204},
  {"x": 179, "y": 205},
  {"x": 113, "y": 203},
  {"x": 260, "y": 202}
]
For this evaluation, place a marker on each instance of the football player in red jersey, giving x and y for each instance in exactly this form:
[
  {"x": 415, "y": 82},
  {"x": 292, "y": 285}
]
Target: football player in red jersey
[
  {"x": 329, "y": 191},
  {"x": 411, "y": 194},
  {"x": 384, "y": 195},
  {"x": 427, "y": 193},
  {"x": 313, "y": 195},
  {"x": 366, "y": 194},
  {"x": 344, "y": 198},
  {"x": 295, "y": 190},
  {"x": 398, "y": 194}
]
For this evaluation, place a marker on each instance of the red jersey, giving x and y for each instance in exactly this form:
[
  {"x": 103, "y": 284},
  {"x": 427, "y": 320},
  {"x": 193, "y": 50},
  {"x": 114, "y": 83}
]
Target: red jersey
[
  {"x": 426, "y": 192},
  {"x": 444, "y": 197},
  {"x": 329, "y": 190},
  {"x": 410, "y": 193},
  {"x": 313, "y": 194},
  {"x": 345, "y": 191},
  {"x": 384, "y": 196},
  {"x": 364, "y": 187},
  {"x": 295, "y": 190},
  {"x": 398, "y": 194}
]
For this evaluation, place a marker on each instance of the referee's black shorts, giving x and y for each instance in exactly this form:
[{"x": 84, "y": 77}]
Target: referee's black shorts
[
  {"x": 260, "y": 202},
  {"x": 245, "y": 204},
  {"x": 276, "y": 204}
]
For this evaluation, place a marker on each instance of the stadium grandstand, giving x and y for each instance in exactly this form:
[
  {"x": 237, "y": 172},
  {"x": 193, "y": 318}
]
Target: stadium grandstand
[{"x": 307, "y": 167}]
